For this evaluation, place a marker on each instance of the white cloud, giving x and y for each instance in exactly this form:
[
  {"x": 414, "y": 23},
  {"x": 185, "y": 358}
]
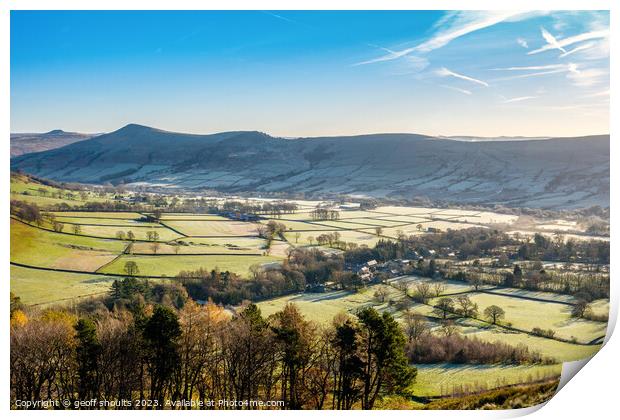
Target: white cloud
[
  {"x": 598, "y": 94},
  {"x": 452, "y": 26},
  {"x": 464, "y": 23},
  {"x": 545, "y": 70},
  {"x": 551, "y": 41},
  {"x": 444, "y": 72},
  {"x": 522, "y": 42},
  {"x": 560, "y": 44},
  {"x": 464, "y": 91},
  {"x": 588, "y": 77},
  {"x": 543, "y": 67},
  {"x": 518, "y": 99},
  {"x": 577, "y": 49},
  {"x": 391, "y": 55}
]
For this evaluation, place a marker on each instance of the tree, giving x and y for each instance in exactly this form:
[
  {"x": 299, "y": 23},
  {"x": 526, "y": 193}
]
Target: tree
[
  {"x": 422, "y": 292},
  {"x": 295, "y": 337},
  {"x": 57, "y": 226},
  {"x": 415, "y": 325},
  {"x": 349, "y": 370},
  {"x": 439, "y": 288},
  {"x": 518, "y": 273},
  {"x": 494, "y": 313},
  {"x": 580, "y": 309},
  {"x": 87, "y": 354},
  {"x": 120, "y": 235},
  {"x": 378, "y": 230},
  {"x": 381, "y": 293},
  {"x": 297, "y": 236},
  {"x": 77, "y": 229},
  {"x": 155, "y": 247},
  {"x": 311, "y": 240},
  {"x": 130, "y": 235},
  {"x": 432, "y": 268},
  {"x": 176, "y": 246},
  {"x": 161, "y": 332},
  {"x": 444, "y": 307},
  {"x": 466, "y": 307},
  {"x": 448, "y": 328},
  {"x": 131, "y": 268},
  {"x": 386, "y": 368},
  {"x": 509, "y": 279},
  {"x": 475, "y": 281}
]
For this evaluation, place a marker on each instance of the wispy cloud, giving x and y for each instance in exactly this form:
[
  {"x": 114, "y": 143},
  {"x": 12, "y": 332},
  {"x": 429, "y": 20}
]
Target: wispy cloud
[
  {"x": 588, "y": 77},
  {"x": 551, "y": 41},
  {"x": 600, "y": 94},
  {"x": 540, "y": 70},
  {"x": 523, "y": 68},
  {"x": 522, "y": 42},
  {"x": 518, "y": 99},
  {"x": 391, "y": 55},
  {"x": 444, "y": 72},
  {"x": 577, "y": 49},
  {"x": 464, "y": 23},
  {"x": 454, "y": 25},
  {"x": 560, "y": 44},
  {"x": 464, "y": 91}
]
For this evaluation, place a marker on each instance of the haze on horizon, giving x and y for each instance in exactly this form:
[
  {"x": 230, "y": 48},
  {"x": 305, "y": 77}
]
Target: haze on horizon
[{"x": 303, "y": 74}]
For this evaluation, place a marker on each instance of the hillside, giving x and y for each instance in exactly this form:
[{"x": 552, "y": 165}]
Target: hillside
[
  {"x": 550, "y": 173},
  {"x": 22, "y": 143}
]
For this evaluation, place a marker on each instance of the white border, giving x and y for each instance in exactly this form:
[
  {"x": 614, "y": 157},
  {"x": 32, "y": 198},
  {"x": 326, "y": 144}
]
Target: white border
[{"x": 592, "y": 395}]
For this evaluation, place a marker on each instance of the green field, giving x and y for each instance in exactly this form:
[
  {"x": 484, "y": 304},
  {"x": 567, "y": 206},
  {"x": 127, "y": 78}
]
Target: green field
[
  {"x": 27, "y": 189},
  {"x": 159, "y": 265},
  {"x": 527, "y": 314},
  {"x": 99, "y": 215},
  {"x": 447, "y": 379},
  {"x": 192, "y": 217},
  {"x": 107, "y": 221},
  {"x": 140, "y": 232},
  {"x": 449, "y": 287},
  {"x": 560, "y": 351},
  {"x": 37, "y": 287},
  {"x": 360, "y": 238},
  {"x": 223, "y": 246},
  {"x": 322, "y": 307},
  {"x": 37, "y": 247},
  {"x": 213, "y": 228}
]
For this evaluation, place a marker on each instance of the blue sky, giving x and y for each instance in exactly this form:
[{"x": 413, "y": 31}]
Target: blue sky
[{"x": 295, "y": 73}]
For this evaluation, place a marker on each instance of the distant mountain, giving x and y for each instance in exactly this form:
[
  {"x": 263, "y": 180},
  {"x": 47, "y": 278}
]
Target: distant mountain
[
  {"x": 551, "y": 173},
  {"x": 22, "y": 143}
]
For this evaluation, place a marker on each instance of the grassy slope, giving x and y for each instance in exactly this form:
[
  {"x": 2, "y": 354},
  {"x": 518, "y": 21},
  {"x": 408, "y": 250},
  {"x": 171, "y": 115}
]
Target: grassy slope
[
  {"x": 528, "y": 314},
  {"x": 33, "y": 246},
  {"x": 447, "y": 379},
  {"x": 172, "y": 265},
  {"x": 41, "y": 287}
]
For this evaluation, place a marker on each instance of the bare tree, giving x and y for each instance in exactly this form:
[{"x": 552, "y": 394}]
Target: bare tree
[
  {"x": 416, "y": 325},
  {"x": 381, "y": 293},
  {"x": 466, "y": 307},
  {"x": 439, "y": 288}
]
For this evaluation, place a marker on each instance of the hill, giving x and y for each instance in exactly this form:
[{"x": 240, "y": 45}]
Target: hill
[
  {"x": 22, "y": 143},
  {"x": 549, "y": 173}
]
